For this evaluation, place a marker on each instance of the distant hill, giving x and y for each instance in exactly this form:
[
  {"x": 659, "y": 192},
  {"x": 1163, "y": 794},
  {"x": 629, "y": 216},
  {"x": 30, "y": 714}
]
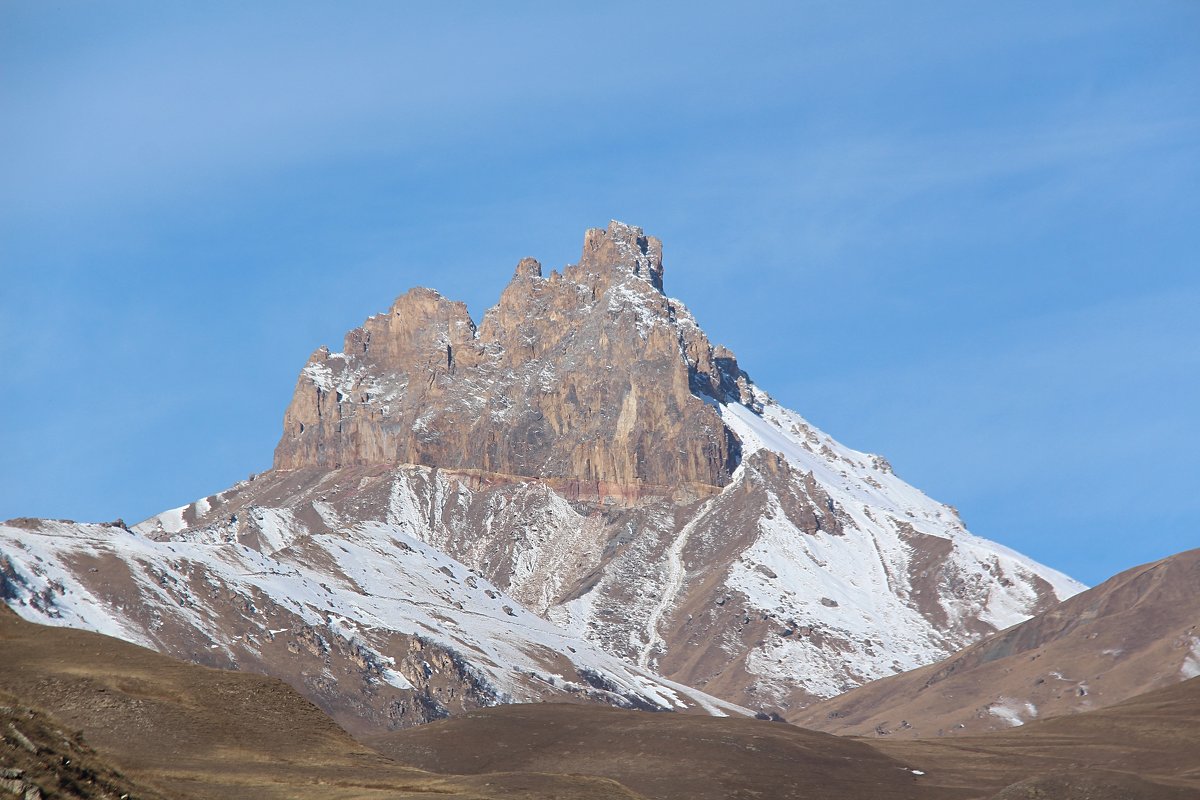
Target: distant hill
[{"x": 1136, "y": 632}]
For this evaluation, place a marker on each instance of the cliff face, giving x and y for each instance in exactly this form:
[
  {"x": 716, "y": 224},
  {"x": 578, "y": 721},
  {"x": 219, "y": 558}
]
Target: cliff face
[{"x": 590, "y": 378}]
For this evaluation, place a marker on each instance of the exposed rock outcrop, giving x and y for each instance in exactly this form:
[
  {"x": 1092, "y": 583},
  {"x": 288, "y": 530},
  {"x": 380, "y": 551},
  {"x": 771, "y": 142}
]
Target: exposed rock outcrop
[{"x": 586, "y": 378}]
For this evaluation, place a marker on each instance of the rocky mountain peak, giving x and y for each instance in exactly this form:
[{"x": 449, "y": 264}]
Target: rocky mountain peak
[
  {"x": 528, "y": 268},
  {"x": 622, "y": 250},
  {"x": 589, "y": 378},
  {"x": 420, "y": 324}
]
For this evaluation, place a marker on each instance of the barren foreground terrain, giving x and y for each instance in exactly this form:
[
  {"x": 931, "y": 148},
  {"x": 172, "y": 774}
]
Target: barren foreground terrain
[{"x": 164, "y": 728}]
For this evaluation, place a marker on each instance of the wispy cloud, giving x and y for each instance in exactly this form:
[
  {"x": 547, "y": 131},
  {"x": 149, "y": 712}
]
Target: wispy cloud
[{"x": 170, "y": 100}]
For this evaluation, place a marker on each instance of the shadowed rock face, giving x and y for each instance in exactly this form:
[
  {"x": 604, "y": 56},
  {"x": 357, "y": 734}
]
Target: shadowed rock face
[{"x": 591, "y": 378}]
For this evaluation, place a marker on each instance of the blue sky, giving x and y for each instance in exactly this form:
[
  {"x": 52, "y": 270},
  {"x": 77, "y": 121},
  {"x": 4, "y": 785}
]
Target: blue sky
[{"x": 963, "y": 235}]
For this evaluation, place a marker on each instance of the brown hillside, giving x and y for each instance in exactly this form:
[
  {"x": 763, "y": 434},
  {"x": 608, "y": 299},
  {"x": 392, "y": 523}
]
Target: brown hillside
[
  {"x": 1136, "y": 632},
  {"x": 186, "y": 731}
]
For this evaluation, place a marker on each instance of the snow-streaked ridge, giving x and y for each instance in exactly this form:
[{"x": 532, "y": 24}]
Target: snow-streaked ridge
[
  {"x": 858, "y": 480},
  {"x": 377, "y": 580},
  {"x": 856, "y": 588}
]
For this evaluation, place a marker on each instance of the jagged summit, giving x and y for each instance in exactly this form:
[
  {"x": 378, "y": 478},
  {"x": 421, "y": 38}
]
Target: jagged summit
[
  {"x": 589, "y": 377},
  {"x": 609, "y": 254},
  {"x": 623, "y": 246}
]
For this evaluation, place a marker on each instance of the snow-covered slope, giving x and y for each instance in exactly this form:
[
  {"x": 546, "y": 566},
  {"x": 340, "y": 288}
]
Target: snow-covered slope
[
  {"x": 367, "y": 620},
  {"x": 863, "y": 582}
]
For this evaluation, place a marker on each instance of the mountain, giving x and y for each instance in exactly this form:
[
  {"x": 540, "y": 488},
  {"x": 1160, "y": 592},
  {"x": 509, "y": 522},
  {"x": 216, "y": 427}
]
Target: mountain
[
  {"x": 1134, "y": 633},
  {"x": 567, "y": 501}
]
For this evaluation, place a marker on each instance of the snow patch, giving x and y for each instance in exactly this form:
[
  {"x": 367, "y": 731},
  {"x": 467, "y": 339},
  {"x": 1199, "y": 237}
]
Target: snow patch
[
  {"x": 278, "y": 527},
  {"x": 320, "y": 375},
  {"x": 672, "y": 585},
  {"x": 1013, "y": 712},
  {"x": 1191, "y": 661}
]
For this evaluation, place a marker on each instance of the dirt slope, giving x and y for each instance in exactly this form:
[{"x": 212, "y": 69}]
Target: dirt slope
[
  {"x": 40, "y": 758},
  {"x": 657, "y": 755},
  {"x": 1146, "y": 748},
  {"x": 186, "y": 731}
]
